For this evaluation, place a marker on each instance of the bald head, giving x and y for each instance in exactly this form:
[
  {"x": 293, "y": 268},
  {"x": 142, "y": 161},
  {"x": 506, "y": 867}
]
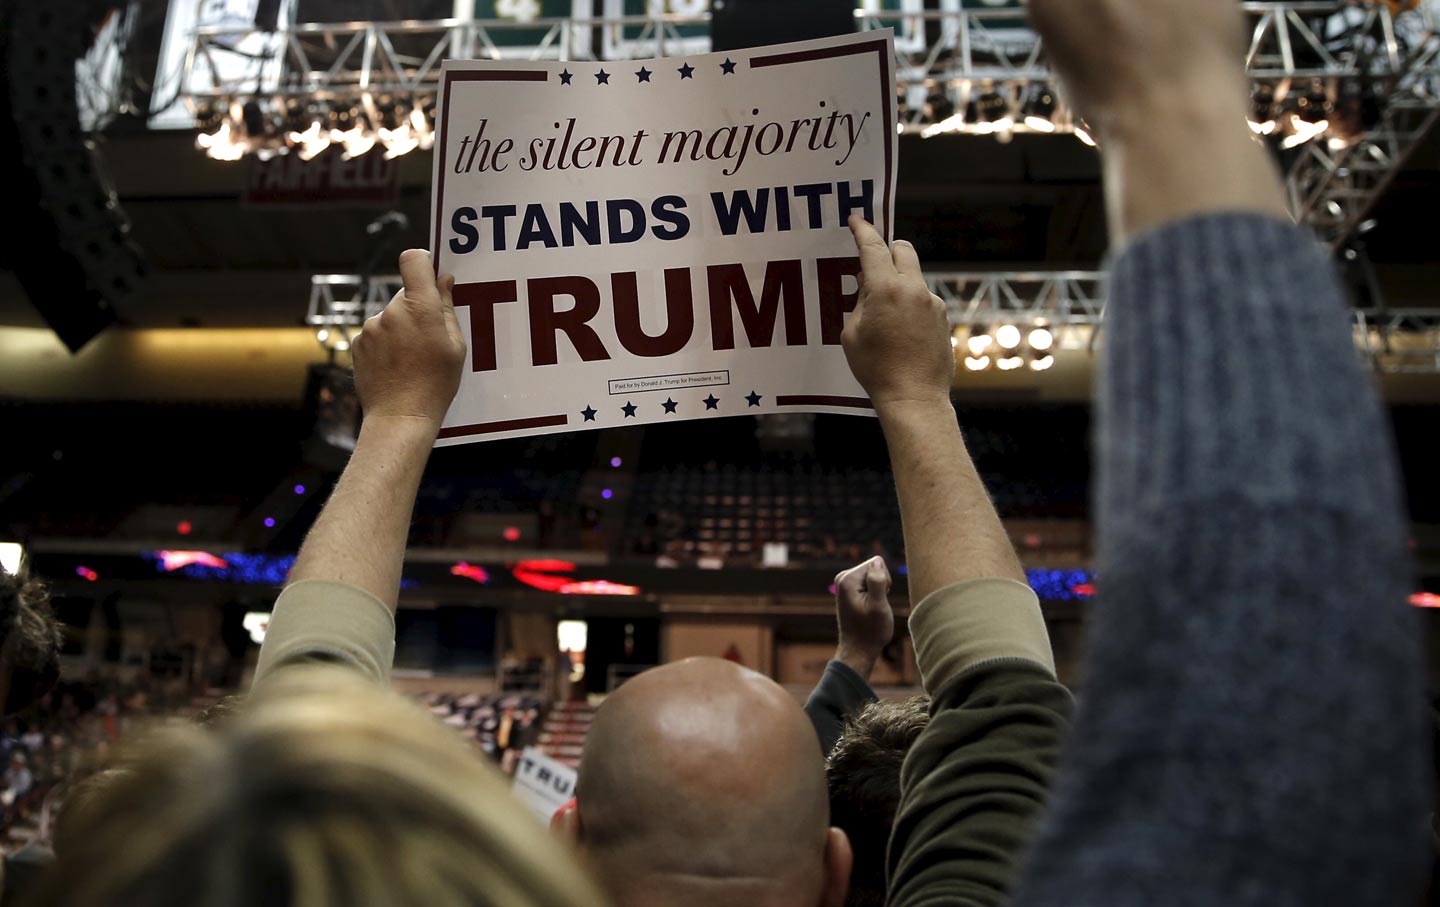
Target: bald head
[{"x": 703, "y": 776}]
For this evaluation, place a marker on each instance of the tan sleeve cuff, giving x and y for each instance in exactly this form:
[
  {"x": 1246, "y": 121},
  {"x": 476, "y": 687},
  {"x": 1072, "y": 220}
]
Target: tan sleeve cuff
[
  {"x": 978, "y": 620},
  {"x": 321, "y": 620}
]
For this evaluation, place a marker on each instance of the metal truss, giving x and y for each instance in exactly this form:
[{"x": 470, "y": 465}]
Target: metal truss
[
  {"x": 1400, "y": 341},
  {"x": 329, "y": 61},
  {"x": 1291, "y": 39},
  {"x": 1334, "y": 185},
  {"x": 946, "y": 57},
  {"x": 340, "y": 303},
  {"x": 1071, "y": 304}
]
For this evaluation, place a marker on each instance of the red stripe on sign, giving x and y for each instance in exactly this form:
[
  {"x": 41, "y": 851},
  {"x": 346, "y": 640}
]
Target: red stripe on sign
[
  {"x": 823, "y": 400},
  {"x": 441, "y": 139},
  {"x": 881, "y": 49},
  {"x": 490, "y": 428}
]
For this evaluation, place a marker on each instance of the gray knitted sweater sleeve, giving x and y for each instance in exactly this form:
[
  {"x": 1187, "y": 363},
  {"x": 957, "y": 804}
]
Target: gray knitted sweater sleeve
[{"x": 1251, "y": 731}]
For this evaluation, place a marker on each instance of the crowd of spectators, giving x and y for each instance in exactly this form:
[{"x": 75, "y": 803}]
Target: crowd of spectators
[{"x": 72, "y": 731}]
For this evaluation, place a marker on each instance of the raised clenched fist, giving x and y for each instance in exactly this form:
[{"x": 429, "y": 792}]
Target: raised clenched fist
[
  {"x": 1120, "y": 60},
  {"x": 408, "y": 358}
]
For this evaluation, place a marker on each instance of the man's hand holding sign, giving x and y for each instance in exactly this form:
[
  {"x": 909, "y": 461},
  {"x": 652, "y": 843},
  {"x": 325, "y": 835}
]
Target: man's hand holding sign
[{"x": 659, "y": 240}]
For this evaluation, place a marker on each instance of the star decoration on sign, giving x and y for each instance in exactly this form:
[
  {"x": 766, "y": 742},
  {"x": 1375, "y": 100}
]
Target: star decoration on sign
[
  {"x": 602, "y": 78},
  {"x": 669, "y": 405},
  {"x": 629, "y": 410},
  {"x": 588, "y": 412},
  {"x": 712, "y": 402},
  {"x": 566, "y": 76},
  {"x": 728, "y": 66},
  {"x": 753, "y": 399},
  {"x": 687, "y": 71},
  {"x": 643, "y": 74}
]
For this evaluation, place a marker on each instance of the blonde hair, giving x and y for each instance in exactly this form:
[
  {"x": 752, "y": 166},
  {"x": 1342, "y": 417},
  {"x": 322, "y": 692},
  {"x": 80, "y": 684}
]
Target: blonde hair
[{"x": 327, "y": 791}]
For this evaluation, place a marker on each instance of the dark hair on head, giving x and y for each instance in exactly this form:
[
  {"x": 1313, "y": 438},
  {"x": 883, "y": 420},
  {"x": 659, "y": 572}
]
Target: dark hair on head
[
  {"x": 863, "y": 774},
  {"x": 29, "y": 643}
]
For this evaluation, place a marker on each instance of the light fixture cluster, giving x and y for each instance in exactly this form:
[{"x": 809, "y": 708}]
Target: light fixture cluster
[
  {"x": 1007, "y": 348},
  {"x": 1342, "y": 111},
  {"x": 995, "y": 109},
  {"x": 266, "y": 127},
  {"x": 1290, "y": 113}
]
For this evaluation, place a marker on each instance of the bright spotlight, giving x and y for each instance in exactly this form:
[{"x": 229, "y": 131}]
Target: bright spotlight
[
  {"x": 1039, "y": 109},
  {"x": 1041, "y": 339},
  {"x": 979, "y": 343},
  {"x": 12, "y": 555},
  {"x": 1042, "y": 363},
  {"x": 1007, "y": 336},
  {"x": 977, "y": 363},
  {"x": 1010, "y": 363}
]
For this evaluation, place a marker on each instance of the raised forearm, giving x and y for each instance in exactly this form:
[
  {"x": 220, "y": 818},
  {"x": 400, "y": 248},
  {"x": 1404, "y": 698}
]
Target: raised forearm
[
  {"x": 360, "y": 536},
  {"x": 952, "y": 532},
  {"x": 1165, "y": 162},
  {"x": 862, "y": 663}
]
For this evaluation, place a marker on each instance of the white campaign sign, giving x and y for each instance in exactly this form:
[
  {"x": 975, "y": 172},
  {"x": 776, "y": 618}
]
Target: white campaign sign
[
  {"x": 659, "y": 240},
  {"x": 543, "y": 784}
]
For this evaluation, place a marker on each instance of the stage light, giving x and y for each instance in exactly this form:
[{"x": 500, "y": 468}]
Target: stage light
[
  {"x": 572, "y": 635},
  {"x": 598, "y": 587},
  {"x": 256, "y": 623},
  {"x": 86, "y": 574},
  {"x": 1303, "y": 131},
  {"x": 511, "y": 534},
  {"x": 1007, "y": 336},
  {"x": 223, "y": 144},
  {"x": 1310, "y": 120},
  {"x": 1083, "y": 134},
  {"x": 1010, "y": 363},
  {"x": 1041, "y": 339},
  {"x": 472, "y": 572},
  {"x": 607, "y": 494},
  {"x": 1039, "y": 109},
  {"x": 980, "y": 341},
  {"x": 954, "y": 342},
  {"x": 944, "y": 117},
  {"x": 1262, "y": 110},
  {"x": 1042, "y": 363},
  {"x": 1314, "y": 107},
  {"x": 313, "y": 140},
  {"x": 269, "y": 522},
  {"x": 397, "y": 130},
  {"x": 208, "y": 117},
  {"x": 352, "y": 130},
  {"x": 616, "y": 462},
  {"x": 12, "y": 555},
  {"x": 299, "y": 489},
  {"x": 995, "y": 110},
  {"x": 183, "y": 527},
  {"x": 170, "y": 561},
  {"x": 423, "y": 119},
  {"x": 977, "y": 363}
]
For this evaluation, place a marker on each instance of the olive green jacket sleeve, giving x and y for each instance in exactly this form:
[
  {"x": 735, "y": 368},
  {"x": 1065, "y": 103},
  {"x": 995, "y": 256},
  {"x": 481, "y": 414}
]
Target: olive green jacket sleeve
[
  {"x": 974, "y": 784},
  {"x": 321, "y": 620}
]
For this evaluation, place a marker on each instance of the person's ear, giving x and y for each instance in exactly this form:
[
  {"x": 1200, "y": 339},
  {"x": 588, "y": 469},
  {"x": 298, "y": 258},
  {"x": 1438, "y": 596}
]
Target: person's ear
[
  {"x": 566, "y": 823},
  {"x": 838, "y": 860}
]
